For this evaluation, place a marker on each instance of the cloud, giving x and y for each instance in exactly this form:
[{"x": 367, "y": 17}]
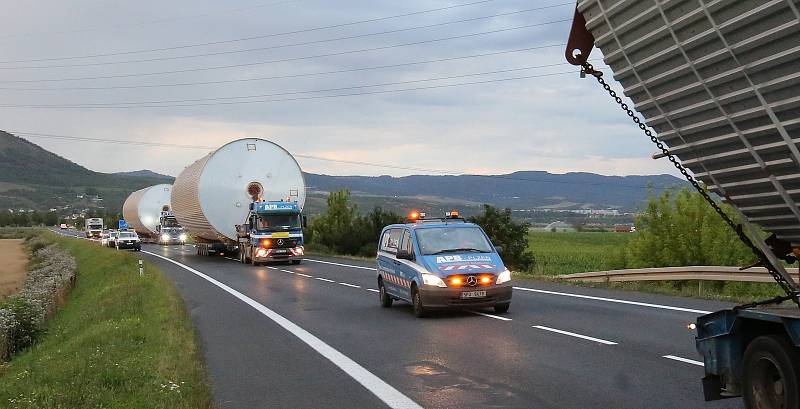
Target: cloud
[{"x": 557, "y": 122}]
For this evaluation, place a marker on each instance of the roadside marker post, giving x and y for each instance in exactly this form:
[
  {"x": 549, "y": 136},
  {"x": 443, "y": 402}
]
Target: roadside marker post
[{"x": 141, "y": 268}]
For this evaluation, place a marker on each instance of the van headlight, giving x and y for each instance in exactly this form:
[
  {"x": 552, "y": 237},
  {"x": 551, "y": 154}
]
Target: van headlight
[
  {"x": 182, "y": 237},
  {"x": 430, "y": 279},
  {"x": 503, "y": 277},
  {"x": 165, "y": 237}
]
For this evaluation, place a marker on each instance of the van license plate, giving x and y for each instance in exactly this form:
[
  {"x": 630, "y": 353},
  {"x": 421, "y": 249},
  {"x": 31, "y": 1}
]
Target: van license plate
[{"x": 473, "y": 294}]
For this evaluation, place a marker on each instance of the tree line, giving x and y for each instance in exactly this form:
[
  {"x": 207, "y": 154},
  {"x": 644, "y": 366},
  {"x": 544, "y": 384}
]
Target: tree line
[{"x": 343, "y": 230}]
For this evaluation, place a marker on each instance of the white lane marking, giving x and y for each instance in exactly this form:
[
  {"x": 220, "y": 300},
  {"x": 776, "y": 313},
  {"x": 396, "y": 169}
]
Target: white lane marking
[
  {"x": 589, "y": 297},
  {"x": 497, "y": 317},
  {"x": 231, "y": 258},
  {"x": 685, "y": 360},
  {"x": 572, "y": 334},
  {"x": 385, "y": 392},
  {"x": 339, "y": 264},
  {"x": 351, "y": 285},
  {"x": 324, "y": 279},
  {"x": 287, "y": 271},
  {"x": 304, "y": 275},
  {"x": 372, "y": 289}
]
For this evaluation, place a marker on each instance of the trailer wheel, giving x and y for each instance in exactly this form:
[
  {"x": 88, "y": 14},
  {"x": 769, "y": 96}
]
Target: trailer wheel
[{"x": 770, "y": 374}]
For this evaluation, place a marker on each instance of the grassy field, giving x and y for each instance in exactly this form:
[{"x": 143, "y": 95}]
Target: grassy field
[
  {"x": 121, "y": 341},
  {"x": 566, "y": 253},
  {"x": 13, "y": 267}
]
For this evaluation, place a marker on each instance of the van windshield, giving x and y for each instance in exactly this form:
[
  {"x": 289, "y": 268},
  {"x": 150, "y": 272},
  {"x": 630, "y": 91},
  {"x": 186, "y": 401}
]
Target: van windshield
[{"x": 442, "y": 240}]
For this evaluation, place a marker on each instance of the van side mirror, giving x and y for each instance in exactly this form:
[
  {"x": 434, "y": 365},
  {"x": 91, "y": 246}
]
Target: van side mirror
[
  {"x": 499, "y": 249},
  {"x": 404, "y": 255},
  {"x": 305, "y": 221}
]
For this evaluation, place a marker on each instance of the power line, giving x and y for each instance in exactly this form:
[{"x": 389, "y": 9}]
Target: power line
[
  {"x": 274, "y": 77},
  {"x": 161, "y": 102},
  {"x": 147, "y": 22},
  {"x": 322, "y": 158},
  {"x": 273, "y": 47},
  {"x": 306, "y": 30},
  {"x": 339, "y": 53},
  {"x": 287, "y": 99}
]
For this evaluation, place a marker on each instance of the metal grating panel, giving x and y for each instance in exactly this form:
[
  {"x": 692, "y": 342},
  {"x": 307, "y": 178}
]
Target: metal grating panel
[{"x": 719, "y": 82}]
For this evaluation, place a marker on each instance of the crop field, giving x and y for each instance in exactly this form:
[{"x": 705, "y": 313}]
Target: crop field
[
  {"x": 12, "y": 269},
  {"x": 578, "y": 252}
]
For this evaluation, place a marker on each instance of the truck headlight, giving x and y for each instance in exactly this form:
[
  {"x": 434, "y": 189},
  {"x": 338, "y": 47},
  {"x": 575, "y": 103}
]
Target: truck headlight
[
  {"x": 182, "y": 237},
  {"x": 503, "y": 277},
  {"x": 165, "y": 237},
  {"x": 430, "y": 279}
]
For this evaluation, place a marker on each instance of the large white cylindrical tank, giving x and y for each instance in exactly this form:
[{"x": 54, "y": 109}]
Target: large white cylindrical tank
[
  {"x": 142, "y": 209},
  {"x": 211, "y": 197}
]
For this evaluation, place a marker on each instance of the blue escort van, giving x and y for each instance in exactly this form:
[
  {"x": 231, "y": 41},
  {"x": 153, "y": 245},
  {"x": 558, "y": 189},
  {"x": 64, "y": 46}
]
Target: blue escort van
[{"x": 441, "y": 263}]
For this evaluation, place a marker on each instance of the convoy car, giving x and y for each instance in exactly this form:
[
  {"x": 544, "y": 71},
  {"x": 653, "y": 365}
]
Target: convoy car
[
  {"x": 104, "y": 239},
  {"x": 128, "y": 240},
  {"x": 441, "y": 263},
  {"x": 112, "y": 238},
  {"x": 63, "y": 226}
]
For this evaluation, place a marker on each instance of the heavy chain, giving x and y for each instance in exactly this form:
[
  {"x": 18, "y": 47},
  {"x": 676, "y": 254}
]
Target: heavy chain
[{"x": 737, "y": 228}]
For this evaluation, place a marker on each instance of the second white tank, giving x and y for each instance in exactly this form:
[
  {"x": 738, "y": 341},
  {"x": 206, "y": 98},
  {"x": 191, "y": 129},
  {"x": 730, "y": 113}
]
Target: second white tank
[
  {"x": 211, "y": 196},
  {"x": 143, "y": 207}
]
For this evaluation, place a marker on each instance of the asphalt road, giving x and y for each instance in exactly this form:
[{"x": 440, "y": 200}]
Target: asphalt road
[{"x": 314, "y": 335}]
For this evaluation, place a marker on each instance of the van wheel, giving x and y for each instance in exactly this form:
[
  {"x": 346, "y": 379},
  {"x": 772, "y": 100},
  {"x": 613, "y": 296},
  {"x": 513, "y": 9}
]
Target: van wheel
[
  {"x": 386, "y": 300},
  {"x": 416, "y": 303},
  {"x": 502, "y": 308},
  {"x": 770, "y": 380}
]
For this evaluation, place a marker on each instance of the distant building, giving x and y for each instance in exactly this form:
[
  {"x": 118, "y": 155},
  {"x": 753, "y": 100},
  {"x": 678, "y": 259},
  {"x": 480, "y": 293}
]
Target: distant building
[
  {"x": 624, "y": 228},
  {"x": 559, "y": 227}
]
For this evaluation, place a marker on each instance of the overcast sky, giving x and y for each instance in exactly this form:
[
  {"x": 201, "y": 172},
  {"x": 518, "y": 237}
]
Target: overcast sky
[{"x": 559, "y": 123}]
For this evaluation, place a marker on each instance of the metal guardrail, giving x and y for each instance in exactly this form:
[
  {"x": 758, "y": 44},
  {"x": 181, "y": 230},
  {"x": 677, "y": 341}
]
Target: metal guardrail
[{"x": 710, "y": 273}]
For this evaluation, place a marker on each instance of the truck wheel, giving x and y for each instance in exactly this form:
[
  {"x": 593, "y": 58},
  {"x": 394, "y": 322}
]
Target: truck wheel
[
  {"x": 502, "y": 308},
  {"x": 386, "y": 299},
  {"x": 416, "y": 303},
  {"x": 770, "y": 374}
]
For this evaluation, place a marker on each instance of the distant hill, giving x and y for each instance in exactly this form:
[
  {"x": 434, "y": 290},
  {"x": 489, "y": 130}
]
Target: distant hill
[
  {"x": 518, "y": 190},
  {"x": 147, "y": 173},
  {"x": 32, "y": 177}
]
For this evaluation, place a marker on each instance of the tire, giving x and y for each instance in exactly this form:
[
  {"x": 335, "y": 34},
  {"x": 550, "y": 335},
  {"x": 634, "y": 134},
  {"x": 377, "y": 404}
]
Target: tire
[
  {"x": 385, "y": 299},
  {"x": 769, "y": 378},
  {"x": 416, "y": 303},
  {"x": 296, "y": 262},
  {"x": 502, "y": 308}
]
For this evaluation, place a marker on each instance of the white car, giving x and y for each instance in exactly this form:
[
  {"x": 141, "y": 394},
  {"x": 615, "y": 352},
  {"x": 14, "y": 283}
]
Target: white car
[{"x": 128, "y": 240}]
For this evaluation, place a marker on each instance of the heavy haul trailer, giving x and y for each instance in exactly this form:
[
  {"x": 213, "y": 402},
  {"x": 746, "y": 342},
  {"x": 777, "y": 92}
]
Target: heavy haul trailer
[
  {"x": 217, "y": 193},
  {"x": 719, "y": 83}
]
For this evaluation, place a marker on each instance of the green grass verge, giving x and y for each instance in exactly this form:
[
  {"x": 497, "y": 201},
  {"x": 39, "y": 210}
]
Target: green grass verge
[{"x": 121, "y": 341}]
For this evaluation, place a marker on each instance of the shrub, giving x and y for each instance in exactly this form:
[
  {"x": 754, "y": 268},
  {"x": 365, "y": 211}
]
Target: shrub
[
  {"x": 22, "y": 316},
  {"x": 512, "y": 236}
]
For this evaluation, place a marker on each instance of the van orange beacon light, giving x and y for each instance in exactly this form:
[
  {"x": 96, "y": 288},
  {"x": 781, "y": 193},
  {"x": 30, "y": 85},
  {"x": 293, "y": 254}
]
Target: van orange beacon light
[
  {"x": 414, "y": 215},
  {"x": 453, "y": 214}
]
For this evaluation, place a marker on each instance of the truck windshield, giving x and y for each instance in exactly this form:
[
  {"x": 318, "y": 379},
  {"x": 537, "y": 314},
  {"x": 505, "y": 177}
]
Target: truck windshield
[
  {"x": 170, "y": 222},
  {"x": 278, "y": 222},
  {"x": 440, "y": 240},
  {"x": 95, "y": 227}
]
